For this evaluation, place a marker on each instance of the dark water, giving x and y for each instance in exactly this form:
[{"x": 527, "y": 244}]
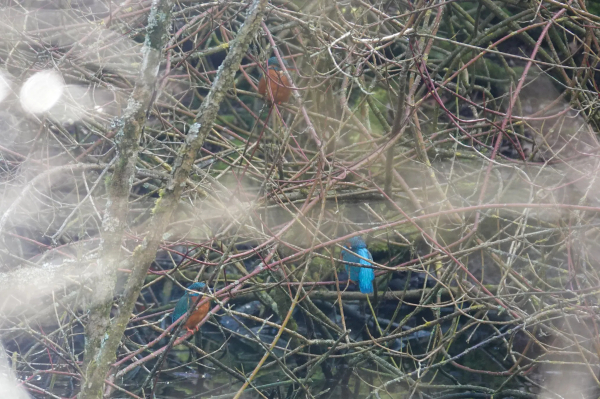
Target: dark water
[{"x": 431, "y": 360}]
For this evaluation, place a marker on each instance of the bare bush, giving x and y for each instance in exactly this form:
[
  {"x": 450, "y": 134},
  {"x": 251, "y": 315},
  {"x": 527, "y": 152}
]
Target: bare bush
[{"x": 137, "y": 156}]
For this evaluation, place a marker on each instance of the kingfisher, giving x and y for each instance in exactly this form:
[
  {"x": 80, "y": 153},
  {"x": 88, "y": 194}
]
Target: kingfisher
[
  {"x": 274, "y": 85},
  {"x": 364, "y": 275},
  {"x": 186, "y": 302}
]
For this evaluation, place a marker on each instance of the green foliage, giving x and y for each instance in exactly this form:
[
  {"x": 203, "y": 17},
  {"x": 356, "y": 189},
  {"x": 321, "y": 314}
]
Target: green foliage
[{"x": 319, "y": 268}]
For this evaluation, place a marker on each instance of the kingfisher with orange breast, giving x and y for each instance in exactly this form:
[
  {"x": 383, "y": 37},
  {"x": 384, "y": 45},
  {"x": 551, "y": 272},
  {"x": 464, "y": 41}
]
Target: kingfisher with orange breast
[
  {"x": 187, "y": 302},
  {"x": 274, "y": 85}
]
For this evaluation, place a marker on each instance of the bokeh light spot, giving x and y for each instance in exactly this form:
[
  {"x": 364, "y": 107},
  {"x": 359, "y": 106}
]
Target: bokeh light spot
[{"x": 41, "y": 91}]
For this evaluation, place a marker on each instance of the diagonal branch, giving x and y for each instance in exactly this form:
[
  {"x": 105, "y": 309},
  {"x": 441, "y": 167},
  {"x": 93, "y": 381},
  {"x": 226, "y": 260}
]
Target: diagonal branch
[
  {"x": 98, "y": 352},
  {"x": 167, "y": 203}
]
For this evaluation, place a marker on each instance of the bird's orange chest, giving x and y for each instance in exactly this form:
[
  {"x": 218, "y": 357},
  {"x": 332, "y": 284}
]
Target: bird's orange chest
[
  {"x": 275, "y": 87},
  {"x": 197, "y": 316}
]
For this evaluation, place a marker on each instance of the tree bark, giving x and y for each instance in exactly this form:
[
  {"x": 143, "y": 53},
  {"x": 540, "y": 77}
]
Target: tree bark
[
  {"x": 98, "y": 327},
  {"x": 106, "y": 344}
]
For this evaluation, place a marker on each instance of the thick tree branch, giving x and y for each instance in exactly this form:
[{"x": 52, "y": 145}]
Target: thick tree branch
[
  {"x": 145, "y": 253},
  {"x": 100, "y": 351}
]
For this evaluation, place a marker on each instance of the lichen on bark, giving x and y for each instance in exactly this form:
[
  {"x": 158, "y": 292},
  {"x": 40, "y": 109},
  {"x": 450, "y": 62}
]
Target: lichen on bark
[
  {"x": 100, "y": 354},
  {"x": 100, "y": 350}
]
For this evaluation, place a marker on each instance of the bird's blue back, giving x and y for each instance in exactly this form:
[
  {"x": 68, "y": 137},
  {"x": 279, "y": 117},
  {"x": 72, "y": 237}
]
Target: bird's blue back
[
  {"x": 186, "y": 301},
  {"x": 352, "y": 270},
  {"x": 363, "y": 275},
  {"x": 273, "y": 63},
  {"x": 366, "y": 275}
]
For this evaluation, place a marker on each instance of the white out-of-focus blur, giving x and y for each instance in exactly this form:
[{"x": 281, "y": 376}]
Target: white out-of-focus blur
[
  {"x": 9, "y": 386},
  {"x": 41, "y": 91}
]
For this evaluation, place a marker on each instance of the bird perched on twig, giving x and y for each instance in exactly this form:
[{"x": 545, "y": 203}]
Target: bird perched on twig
[
  {"x": 186, "y": 302},
  {"x": 363, "y": 275},
  {"x": 274, "y": 85}
]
